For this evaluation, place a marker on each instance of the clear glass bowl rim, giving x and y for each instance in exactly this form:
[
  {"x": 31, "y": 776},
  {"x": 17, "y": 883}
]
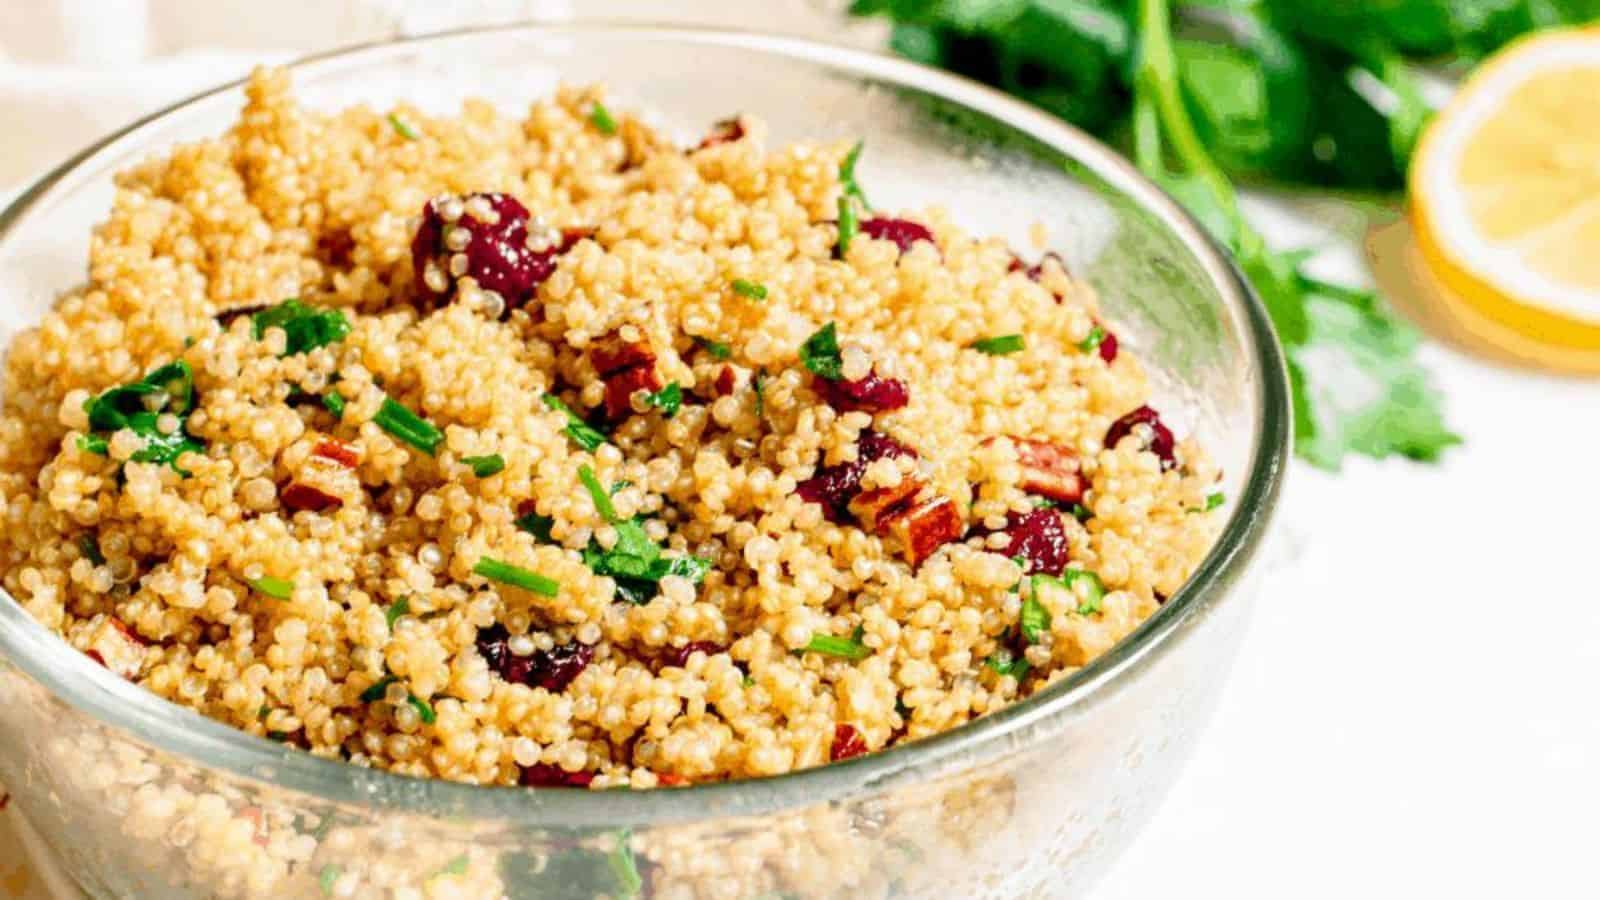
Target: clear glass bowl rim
[{"x": 211, "y": 745}]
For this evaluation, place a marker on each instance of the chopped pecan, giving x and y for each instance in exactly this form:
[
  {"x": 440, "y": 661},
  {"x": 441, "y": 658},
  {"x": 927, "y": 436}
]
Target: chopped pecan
[
  {"x": 338, "y": 452},
  {"x": 299, "y": 497},
  {"x": 614, "y": 358},
  {"x": 876, "y": 507},
  {"x": 847, "y": 742},
  {"x": 621, "y": 387},
  {"x": 1049, "y": 470},
  {"x": 925, "y": 527}
]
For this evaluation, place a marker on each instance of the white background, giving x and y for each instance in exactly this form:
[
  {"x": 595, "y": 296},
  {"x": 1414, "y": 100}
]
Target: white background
[{"x": 1414, "y": 709}]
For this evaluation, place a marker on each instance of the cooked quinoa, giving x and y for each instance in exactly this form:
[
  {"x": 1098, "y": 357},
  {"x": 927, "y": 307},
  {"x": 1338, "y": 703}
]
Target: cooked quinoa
[{"x": 702, "y": 469}]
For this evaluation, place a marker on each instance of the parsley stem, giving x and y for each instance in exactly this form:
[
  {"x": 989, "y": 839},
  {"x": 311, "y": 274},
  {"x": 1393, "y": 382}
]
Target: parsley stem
[
  {"x": 602, "y": 497},
  {"x": 516, "y": 576}
]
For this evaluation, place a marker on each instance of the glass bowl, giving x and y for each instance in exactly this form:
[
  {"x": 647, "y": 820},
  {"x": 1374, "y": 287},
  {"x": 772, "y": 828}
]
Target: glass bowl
[{"x": 142, "y": 798}]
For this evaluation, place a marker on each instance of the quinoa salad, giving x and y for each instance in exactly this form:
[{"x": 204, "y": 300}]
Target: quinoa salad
[{"x": 543, "y": 449}]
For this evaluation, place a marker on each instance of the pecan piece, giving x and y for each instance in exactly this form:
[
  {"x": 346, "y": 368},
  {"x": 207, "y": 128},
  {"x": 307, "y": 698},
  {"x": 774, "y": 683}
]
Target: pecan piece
[
  {"x": 1049, "y": 470},
  {"x": 874, "y": 508},
  {"x": 611, "y": 359},
  {"x": 335, "y": 451},
  {"x": 626, "y": 368},
  {"x": 302, "y": 497},
  {"x": 925, "y": 527}
]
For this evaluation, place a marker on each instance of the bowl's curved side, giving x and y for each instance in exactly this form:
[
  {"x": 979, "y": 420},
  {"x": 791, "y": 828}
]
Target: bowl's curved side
[{"x": 1056, "y": 779}]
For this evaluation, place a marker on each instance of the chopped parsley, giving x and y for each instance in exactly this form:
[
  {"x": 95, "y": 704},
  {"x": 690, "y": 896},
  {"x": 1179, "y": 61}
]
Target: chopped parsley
[
  {"x": 999, "y": 346},
  {"x": 380, "y": 688},
  {"x": 598, "y": 493},
  {"x": 402, "y": 128},
  {"x": 1094, "y": 589},
  {"x": 537, "y": 525},
  {"x": 600, "y": 118},
  {"x": 1081, "y": 513},
  {"x": 668, "y": 399},
  {"x": 306, "y": 327},
  {"x": 847, "y": 175},
  {"x": 1034, "y": 619},
  {"x": 820, "y": 353},
  {"x": 582, "y": 433},
  {"x": 334, "y": 404},
  {"x": 91, "y": 549},
  {"x": 516, "y": 576},
  {"x": 276, "y": 588},
  {"x": 1214, "y": 500},
  {"x": 396, "y": 610},
  {"x": 634, "y": 562},
  {"x": 485, "y": 466},
  {"x": 717, "y": 349},
  {"x": 850, "y": 648},
  {"x": 407, "y": 426},
  {"x": 424, "y": 709},
  {"x": 377, "y": 689},
  {"x": 1092, "y": 342},
  {"x": 138, "y": 407},
  {"x": 749, "y": 289},
  {"x": 1006, "y": 663},
  {"x": 849, "y": 226}
]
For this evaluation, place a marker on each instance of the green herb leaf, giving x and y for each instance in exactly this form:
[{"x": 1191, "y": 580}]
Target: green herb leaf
[
  {"x": 717, "y": 349},
  {"x": 847, "y": 176},
  {"x": 850, "y": 648},
  {"x": 306, "y": 327},
  {"x": 820, "y": 353},
  {"x": 749, "y": 289},
  {"x": 600, "y": 118},
  {"x": 1213, "y": 501},
  {"x": 999, "y": 346},
  {"x": 138, "y": 407},
  {"x": 1035, "y": 618},
  {"x": 1092, "y": 343},
  {"x": 1005, "y": 663},
  {"x": 1081, "y": 513},
  {"x": 276, "y": 588},
  {"x": 396, "y": 609},
  {"x": 94, "y": 443},
  {"x": 90, "y": 547},
  {"x": 581, "y": 432},
  {"x": 424, "y": 709},
  {"x": 849, "y": 226},
  {"x": 402, "y": 128},
  {"x": 485, "y": 466},
  {"x": 378, "y": 689},
  {"x": 635, "y": 563},
  {"x": 668, "y": 399},
  {"x": 537, "y": 525},
  {"x": 408, "y": 427},
  {"x": 516, "y": 576},
  {"x": 1091, "y": 596},
  {"x": 334, "y": 404}
]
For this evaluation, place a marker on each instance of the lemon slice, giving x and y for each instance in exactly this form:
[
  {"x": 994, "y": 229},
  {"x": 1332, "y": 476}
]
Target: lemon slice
[{"x": 1505, "y": 194}]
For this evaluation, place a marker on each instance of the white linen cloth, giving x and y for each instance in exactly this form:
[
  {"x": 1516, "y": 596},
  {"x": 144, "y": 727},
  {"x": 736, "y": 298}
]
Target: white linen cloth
[{"x": 1412, "y": 713}]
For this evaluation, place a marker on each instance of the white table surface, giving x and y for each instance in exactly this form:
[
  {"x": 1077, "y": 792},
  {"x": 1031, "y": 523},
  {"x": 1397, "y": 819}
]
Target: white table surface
[{"x": 1412, "y": 712}]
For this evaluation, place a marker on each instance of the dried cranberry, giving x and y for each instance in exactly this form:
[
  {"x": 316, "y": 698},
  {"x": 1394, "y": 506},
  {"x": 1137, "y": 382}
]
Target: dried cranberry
[
  {"x": 1108, "y": 345},
  {"x": 546, "y": 775},
  {"x": 679, "y": 656},
  {"x": 551, "y": 669},
  {"x": 834, "y": 486},
  {"x": 1039, "y": 538},
  {"x": 847, "y": 742},
  {"x": 621, "y": 386},
  {"x": 725, "y": 382},
  {"x": 303, "y": 497},
  {"x": 902, "y": 232},
  {"x": 497, "y": 253},
  {"x": 873, "y": 393},
  {"x": 334, "y": 247},
  {"x": 1159, "y": 440}
]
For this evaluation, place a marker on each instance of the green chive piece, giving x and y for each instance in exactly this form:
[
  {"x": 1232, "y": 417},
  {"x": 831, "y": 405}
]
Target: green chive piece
[
  {"x": 1214, "y": 500},
  {"x": 668, "y": 399},
  {"x": 1081, "y": 513},
  {"x": 602, "y": 498},
  {"x": 623, "y": 867},
  {"x": 749, "y": 289},
  {"x": 334, "y": 404},
  {"x": 820, "y": 353},
  {"x": 305, "y": 327},
  {"x": 999, "y": 346},
  {"x": 600, "y": 118},
  {"x": 847, "y": 175},
  {"x": 516, "y": 576},
  {"x": 582, "y": 433},
  {"x": 849, "y": 226},
  {"x": 849, "y": 648},
  {"x": 402, "y": 128},
  {"x": 1092, "y": 342},
  {"x": 484, "y": 466},
  {"x": 1004, "y": 663},
  {"x": 396, "y": 610},
  {"x": 90, "y": 547},
  {"x": 423, "y": 708},
  {"x": 94, "y": 443},
  {"x": 376, "y": 691},
  {"x": 407, "y": 426},
  {"x": 717, "y": 349},
  {"x": 276, "y": 588},
  {"x": 1035, "y": 618}
]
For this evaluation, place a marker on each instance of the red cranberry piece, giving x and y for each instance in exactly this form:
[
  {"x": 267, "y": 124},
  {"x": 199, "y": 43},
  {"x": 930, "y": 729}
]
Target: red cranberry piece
[
  {"x": 903, "y": 232},
  {"x": 334, "y": 451},
  {"x": 1108, "y": 345},
  {"x": 497, "y": 252},
  {"x": 546, "y": 775},
  {"x": 873, "y": 394},
  {"x": 551, "y": 669},
  {"x": 1159, "y": 440},
  {"x": 303, "y": 497},
  {"x": 1039, "y": 538},
  {"x": 847, "y": 742},
  {"x": 725, "y": 382},
  {"x": 835, "y": 486},
  {"x": 679, "y": 656}
]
